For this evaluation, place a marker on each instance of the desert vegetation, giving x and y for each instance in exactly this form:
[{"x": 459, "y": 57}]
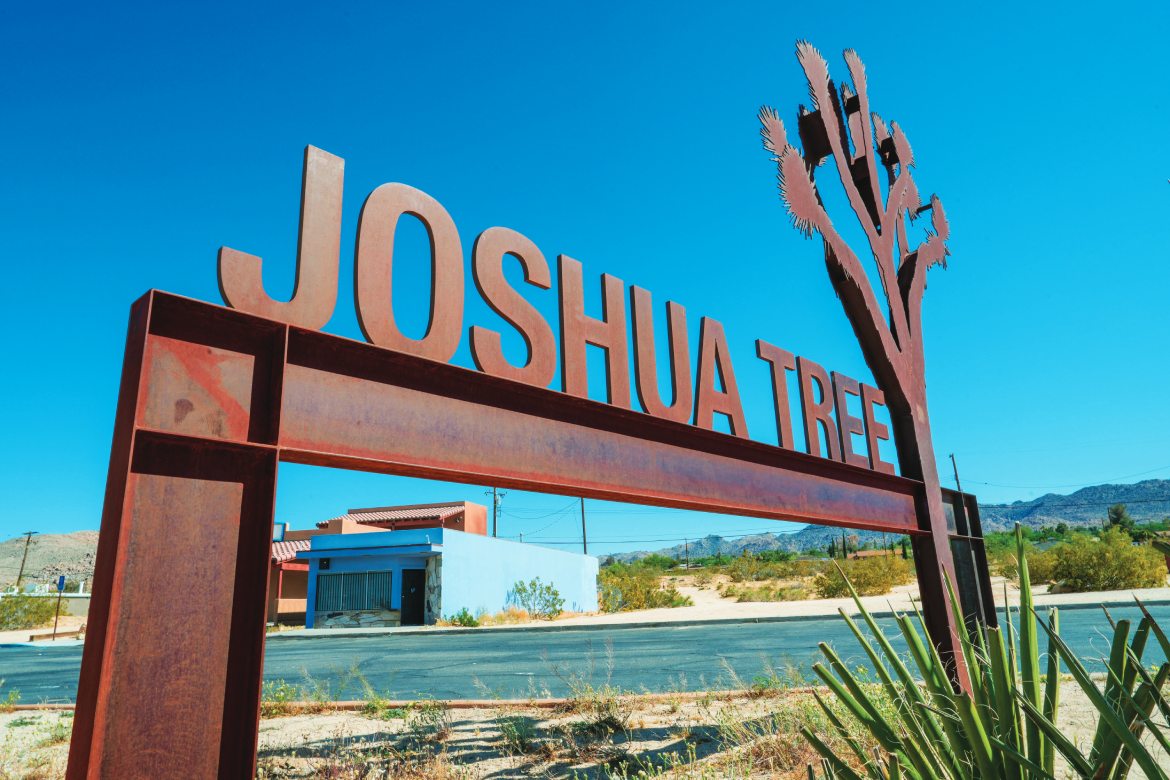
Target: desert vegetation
[
  {"x": 1119, "y": 555},
  {"x": 19, "y": 611}
]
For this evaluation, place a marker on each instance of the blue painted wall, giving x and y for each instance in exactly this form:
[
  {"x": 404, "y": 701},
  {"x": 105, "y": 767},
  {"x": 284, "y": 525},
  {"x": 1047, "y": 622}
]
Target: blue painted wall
[{"x": 478, "y": 572}]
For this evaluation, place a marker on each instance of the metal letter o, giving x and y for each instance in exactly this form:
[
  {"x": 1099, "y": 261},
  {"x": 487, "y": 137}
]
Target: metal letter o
[{"x": 373, "y": 272}]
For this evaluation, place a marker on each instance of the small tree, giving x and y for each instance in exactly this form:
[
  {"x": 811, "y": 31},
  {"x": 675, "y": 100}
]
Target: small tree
[
  {"x": 1118, "y": 517},
  {"x": 539, "y": 599}
]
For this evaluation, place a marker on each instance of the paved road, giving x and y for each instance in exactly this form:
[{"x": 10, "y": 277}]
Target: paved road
[{"x": 520, "y": 663}]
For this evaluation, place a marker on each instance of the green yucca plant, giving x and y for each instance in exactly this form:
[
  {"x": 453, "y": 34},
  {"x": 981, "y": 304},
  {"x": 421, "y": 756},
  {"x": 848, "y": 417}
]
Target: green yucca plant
[{"x": 1007, "y": 727}]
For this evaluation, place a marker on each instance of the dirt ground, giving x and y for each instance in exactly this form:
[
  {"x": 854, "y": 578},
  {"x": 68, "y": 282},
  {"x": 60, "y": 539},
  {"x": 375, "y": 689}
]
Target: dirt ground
[
  {"x": 598, "y": 734},
  {"x": 66, "y": 623}
]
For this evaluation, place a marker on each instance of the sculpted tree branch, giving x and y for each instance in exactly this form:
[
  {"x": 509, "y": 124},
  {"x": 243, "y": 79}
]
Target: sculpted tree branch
[
  {"x": 843, "y": 127},
  {"x": 889, "y": 328}
]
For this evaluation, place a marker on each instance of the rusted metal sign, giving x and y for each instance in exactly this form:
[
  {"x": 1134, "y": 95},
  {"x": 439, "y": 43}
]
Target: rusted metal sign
[{"x": 213, "y": 398}]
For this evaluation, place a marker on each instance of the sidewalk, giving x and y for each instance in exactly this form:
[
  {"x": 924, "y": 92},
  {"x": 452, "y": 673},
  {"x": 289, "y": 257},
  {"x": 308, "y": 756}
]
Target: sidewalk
[{"x": 709, "y": 608}]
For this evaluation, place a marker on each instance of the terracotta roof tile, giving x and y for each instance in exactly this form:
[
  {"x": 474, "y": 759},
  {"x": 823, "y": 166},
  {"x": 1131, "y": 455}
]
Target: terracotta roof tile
[
  {"x": 286, "y": 551},
  {"x": 436, "y": 513}
]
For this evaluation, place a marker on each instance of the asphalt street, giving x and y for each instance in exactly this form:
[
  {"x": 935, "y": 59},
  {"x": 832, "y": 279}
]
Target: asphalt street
[{"x": 512, "y": 664}]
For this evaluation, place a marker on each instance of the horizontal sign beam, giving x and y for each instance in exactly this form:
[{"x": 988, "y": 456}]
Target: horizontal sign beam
[{"x": 347, "y": 404}]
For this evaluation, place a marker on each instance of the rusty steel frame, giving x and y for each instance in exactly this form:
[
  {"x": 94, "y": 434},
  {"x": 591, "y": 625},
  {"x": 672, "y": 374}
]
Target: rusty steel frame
[{"x": 213, "y": 399}]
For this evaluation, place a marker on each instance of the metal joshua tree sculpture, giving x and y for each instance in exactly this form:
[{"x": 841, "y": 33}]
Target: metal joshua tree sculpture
[{"x": 842, "y": 126}]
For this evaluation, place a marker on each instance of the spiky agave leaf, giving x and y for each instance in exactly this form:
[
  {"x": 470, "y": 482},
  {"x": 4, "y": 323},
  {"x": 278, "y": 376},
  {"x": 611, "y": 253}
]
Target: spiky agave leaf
[
  {"x": 799, "y": 192},
  {"x": 772, "y": 131}
]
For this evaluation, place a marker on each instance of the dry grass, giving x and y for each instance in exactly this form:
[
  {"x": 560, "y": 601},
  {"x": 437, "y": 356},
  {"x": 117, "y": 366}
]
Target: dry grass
[{"x": 508, "y": 617}]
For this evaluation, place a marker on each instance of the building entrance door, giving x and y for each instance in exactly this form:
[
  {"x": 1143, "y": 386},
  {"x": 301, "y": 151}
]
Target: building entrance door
[{"x": 414, "y": 587}]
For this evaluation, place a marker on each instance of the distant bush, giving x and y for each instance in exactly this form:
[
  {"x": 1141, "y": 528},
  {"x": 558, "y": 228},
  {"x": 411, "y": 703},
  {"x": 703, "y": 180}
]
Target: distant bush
[
  {"x": 703, "y": 578},
  {"x": 765, "y": 592},
  {"x": 623, "y": 587},
  {"x": 463, "y": 618},
  {"x": 1112, "y": 562},
  {"x": 753, "y": 568},
  {"x": 656, "y": 561},
  {"x": 870, "y": 576},
  {"x": 1041, "y": 565},
  {"x": 539, "y": 599},
  {"x": 19, "y": 611}
]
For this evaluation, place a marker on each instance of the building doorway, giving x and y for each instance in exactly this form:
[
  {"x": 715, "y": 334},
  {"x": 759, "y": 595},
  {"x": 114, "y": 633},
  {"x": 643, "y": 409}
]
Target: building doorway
[{"x": 414, "y": 588}]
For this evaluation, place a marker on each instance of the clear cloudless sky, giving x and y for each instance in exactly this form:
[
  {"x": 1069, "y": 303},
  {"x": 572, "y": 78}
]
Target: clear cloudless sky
[{"x": 139, "y": 138}]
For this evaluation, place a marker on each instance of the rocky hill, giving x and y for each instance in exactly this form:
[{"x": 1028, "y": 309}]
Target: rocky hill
[
  {"x": 1146, "y": 501},
  {"x": 49, "y": 555}
]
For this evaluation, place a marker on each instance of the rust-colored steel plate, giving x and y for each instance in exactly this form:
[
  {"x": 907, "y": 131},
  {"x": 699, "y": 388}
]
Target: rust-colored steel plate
[
  {"x": 183, "y": 534},
  {"x": 337, "y": 420},
  {"x": 196, "y": 389}
]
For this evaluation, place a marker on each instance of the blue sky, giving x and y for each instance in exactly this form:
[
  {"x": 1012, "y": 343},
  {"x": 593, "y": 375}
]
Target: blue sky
[{"x": 139, "y": 139}]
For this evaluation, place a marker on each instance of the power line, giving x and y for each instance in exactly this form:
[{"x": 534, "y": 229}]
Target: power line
[
  {"x": 513, "y": 512},
  {"x": 725, "y": 534},
  {"x": 1071, "y": 484},
  {"x": 1163, "y": 500},
  {"x": 644, "y": 541}
]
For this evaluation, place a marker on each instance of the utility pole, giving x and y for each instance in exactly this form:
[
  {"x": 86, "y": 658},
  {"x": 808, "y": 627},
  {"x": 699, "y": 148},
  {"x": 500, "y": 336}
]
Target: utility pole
[
  {"x": 28, "y": 535},
  {"x": 955, "y": 466},
  {"x": 687, "y": 542},
  {"x": 497, "y": 497},
  {"x": 584, "y": 540}
]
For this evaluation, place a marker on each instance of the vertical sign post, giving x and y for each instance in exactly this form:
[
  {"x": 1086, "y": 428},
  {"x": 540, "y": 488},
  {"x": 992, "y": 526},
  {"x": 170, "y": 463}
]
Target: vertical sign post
[{"x": 57, "y": 616}]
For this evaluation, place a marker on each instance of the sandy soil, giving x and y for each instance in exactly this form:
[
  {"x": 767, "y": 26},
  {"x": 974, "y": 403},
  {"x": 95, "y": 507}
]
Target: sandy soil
[{"x": 708, "y": 737}]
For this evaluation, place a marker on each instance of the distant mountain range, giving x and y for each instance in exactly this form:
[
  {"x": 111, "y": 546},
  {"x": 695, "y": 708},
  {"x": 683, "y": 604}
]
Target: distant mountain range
[
  {"x": 1146, "y": 501},
  {"x": 74, "y": 554}
]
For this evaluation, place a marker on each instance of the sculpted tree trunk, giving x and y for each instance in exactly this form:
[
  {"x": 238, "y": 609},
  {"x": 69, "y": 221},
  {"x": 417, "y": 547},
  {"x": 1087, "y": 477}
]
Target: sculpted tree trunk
[{"x": 889, "y": 329}]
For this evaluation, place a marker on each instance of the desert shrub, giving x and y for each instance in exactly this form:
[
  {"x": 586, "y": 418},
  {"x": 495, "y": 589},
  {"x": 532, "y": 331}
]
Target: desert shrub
[
  {"x": 752, "y": 568},
  {"x": 428, "y": 721},
  {"x": 1112, "y": 562},
  {"x": 517, "y": 733},
  {"x": 463, "y": 618},
  {"x": 277, "y": 698},
  {"x": 605, "y": 709},
  {"x": 8, "y": 699},
  {"x": 539, "y": 599},
  {"x": 59, "y": 732},
  {"x": 870, "y": 576},
  {"x": 1041, "y": 564},
  {"x": 804, "y": 568},
  {"x": 703, "y": 578},
  {"x": 765, "y": 592},
  {"x": 624, "y": 587},
  {"x": 19, "y": 611},
  {"x": 656, "y": 561}
]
